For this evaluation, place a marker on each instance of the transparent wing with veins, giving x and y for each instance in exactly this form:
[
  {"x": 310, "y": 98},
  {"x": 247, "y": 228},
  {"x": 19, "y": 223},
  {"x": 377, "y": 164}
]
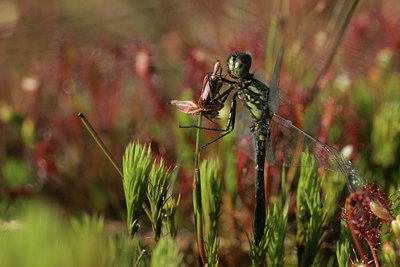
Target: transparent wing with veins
[{"x": 287, "y": 143}]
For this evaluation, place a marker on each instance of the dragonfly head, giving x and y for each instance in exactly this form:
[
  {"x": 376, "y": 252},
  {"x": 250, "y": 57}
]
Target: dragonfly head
[{"x": 239, "y": 65}]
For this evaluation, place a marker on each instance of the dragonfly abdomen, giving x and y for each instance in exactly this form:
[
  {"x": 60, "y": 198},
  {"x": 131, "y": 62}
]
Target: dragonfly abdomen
[{"x": 260, "y": 137}]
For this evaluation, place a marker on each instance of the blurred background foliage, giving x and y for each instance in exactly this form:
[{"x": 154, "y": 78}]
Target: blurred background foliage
[{"x": 121, "y": 62}]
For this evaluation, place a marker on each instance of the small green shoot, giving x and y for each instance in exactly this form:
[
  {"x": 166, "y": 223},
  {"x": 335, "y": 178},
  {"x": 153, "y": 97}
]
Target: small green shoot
[
  {"x": 211, "y": 184},
  {"x": 259, "y": 252},
  {"x": 44, "y": 238},
  {"x": 277, "y": 222},
  {"x": 166, "y": 254},
  {"x": 136, "y": 166},
  {"x": 310, "y": 214},
  {"x": 170, "y": 208},
  {"x": 343, "y": 253},
  {"x": 157, "y": 195},
  {"x": 386, "y": 134},
  {"x": 212, "y": 247}
]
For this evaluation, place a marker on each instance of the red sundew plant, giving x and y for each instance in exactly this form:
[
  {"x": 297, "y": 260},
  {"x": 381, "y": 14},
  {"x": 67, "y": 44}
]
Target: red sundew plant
[{"x": 365, "y": 213}]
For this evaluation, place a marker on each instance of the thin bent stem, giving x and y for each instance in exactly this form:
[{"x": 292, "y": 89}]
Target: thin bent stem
[
  {"x": 197, "y": 196},
  {"x": 140, "y": 257},
  {"x": 107, "y": 152},
  {"x": 101, "y": 144}
]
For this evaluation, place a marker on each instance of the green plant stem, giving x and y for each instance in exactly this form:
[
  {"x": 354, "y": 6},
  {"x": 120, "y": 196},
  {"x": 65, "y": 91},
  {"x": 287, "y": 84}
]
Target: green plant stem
[
  {"x": 197, "y": 156},
  {"x": 101, "y": 144},
  {"x": 197, "y": 196}
]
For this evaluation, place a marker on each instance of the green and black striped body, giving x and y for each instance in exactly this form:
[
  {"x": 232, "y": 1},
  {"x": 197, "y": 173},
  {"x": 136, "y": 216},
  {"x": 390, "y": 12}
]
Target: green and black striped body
[{"x": 254, "y": 95}]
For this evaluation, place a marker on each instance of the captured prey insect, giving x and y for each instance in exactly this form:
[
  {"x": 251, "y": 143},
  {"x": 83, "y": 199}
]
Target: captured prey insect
[
  {"x": 275, "y": 138},
  {"x": 206, "y": 104}
]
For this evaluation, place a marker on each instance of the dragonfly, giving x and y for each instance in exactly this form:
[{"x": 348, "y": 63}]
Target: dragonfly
[{"x": 275, "y": 138}]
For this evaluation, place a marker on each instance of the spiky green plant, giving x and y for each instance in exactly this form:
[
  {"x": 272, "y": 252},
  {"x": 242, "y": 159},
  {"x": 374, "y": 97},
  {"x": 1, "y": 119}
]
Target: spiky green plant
[
  {"x": 343, "y": 252},
  {"x": 130, "y": 252},
  {"x": 157, "y": 195},
  {"x": 310, "y": 214},
  {"x": 212, "y": 248},
  {"x": 211, "y": 197},
  {"x": 259, "y": 252},
  {"x": 41, "y": 236},
  {"x": 277, "y": 221},
  {"x": 169, "y": 210},
  {"x": 88, "y": 222},
  {"x": 211, "y": 184},
  {"x": 386, "y": 134},
  {"x": 166, "y": 254},
  {"x": 136, "y": 167}
]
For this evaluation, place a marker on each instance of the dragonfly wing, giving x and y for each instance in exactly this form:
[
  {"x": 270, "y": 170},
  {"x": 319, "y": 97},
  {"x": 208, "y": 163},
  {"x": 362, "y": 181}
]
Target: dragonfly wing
[
  {"x": 273, "y": 102},
  {"x": 286, "y": 143},
  {"x": 354, "y": 180},
  {"x": 270, "y": 151},
  {"x": 289, "y": 142}
]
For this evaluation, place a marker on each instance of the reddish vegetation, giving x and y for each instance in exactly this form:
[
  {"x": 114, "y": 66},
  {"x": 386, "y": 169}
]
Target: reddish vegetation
[{"x": 365, "y": 213}]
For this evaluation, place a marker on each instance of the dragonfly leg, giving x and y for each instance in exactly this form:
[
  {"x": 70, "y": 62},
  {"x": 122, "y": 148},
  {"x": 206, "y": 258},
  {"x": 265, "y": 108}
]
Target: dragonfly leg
[
  {"x": 222, "y": 97},
  {"x": 227, "y": 81},
  {"x": 230, "y": 125},
  {"x": 203, "y": 128}
]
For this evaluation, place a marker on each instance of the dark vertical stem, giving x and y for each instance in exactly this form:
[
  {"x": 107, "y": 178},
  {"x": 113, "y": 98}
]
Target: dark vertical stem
[{"x": 260, "y": 212}]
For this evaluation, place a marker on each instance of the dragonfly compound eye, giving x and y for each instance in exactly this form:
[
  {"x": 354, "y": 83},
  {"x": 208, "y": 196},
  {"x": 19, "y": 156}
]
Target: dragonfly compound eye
[{"x": 239, "y": 65}]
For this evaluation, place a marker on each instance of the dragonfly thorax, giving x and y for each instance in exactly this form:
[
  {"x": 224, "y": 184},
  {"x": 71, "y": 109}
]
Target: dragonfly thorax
[{"x": 254, "y": 95}]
